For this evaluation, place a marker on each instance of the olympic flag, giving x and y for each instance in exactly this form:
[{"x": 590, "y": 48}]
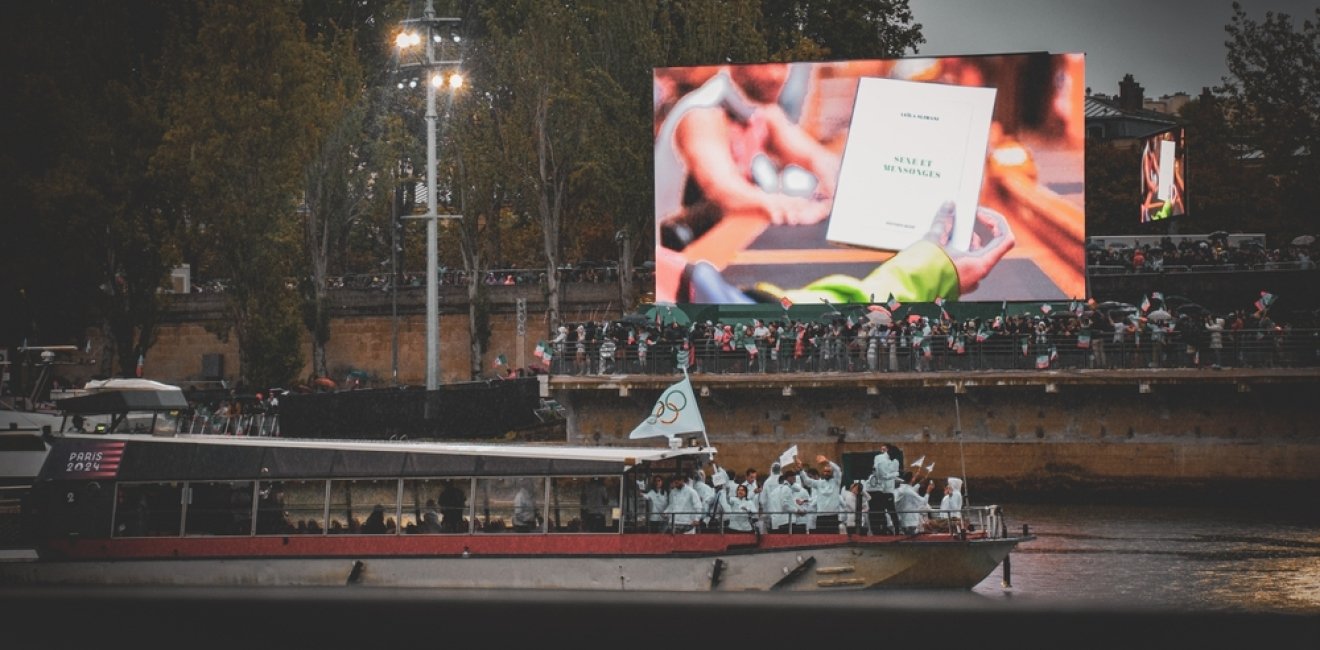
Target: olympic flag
[{"x": 674, "y": 413}]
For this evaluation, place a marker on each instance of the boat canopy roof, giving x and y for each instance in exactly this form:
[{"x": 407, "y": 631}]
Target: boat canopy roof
[
  {"x": 124, "y": 401},
  {"x": 235, "y": 458},
  {"x": 127, "y": 383}
]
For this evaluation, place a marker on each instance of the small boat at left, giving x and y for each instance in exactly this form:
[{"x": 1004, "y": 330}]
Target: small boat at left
[{"x": 137, "y": 406}]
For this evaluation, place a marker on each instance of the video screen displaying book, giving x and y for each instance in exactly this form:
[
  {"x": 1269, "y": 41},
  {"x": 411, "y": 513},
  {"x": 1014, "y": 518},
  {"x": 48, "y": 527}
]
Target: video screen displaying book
[
  {"x": 1163, "y": 176},
  {"x": 773, "y": 177}
]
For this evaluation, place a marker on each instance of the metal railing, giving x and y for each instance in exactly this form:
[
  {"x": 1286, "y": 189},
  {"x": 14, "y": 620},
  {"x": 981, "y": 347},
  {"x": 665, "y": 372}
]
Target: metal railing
[
  {"x": 247, "y": 424},
  {"x": 451, "y": 277},
  {"x": 986, "y": 519},
  {"x": 1294, "y": 348}
]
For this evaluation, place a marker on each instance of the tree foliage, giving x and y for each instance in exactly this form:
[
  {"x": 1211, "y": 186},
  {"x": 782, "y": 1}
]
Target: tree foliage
[
  {"x": 261, "y": 143},
  {"x": 80, "y": 174},
  {"x": 240, "y": 138},
  {"x": 797, "y": 30},
  {"x": 1273, "y": 95}
]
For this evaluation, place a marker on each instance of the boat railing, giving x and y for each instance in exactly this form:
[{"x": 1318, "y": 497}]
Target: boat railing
[
  {"x": 247, "y": 424},
  {"x": 987, "y": 520}
]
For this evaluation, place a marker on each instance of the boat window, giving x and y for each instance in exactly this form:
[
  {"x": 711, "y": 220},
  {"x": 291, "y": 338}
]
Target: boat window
[
  {"x": 433, "y": 506},
  {"x": 584, "y": 504},
  {"x": 363, "y": 506},
  {"x": 291, "y": 508},
  {"x": 510, "y": 505},
  {"x": 219, "y": 508},
  {"x": 148, "y": 509}
]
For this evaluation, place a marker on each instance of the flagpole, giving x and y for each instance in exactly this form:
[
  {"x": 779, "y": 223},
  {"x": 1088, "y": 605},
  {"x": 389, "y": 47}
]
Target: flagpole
[
  {"x": 958, "y": 432},
  {"x": 704, "y": 438}
]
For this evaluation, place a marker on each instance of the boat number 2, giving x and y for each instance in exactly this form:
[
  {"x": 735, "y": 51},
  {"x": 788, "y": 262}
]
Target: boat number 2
[{"x": 84, "y": 461}]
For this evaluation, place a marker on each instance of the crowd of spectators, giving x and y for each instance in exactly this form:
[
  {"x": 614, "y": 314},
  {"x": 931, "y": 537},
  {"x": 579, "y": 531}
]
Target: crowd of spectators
[
  {"x": 1105, "y": 335},
  {"x": 1200, "y": 254}
]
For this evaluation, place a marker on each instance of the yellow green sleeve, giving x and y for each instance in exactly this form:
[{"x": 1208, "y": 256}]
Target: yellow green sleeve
[{"x": 921, "y": 272}]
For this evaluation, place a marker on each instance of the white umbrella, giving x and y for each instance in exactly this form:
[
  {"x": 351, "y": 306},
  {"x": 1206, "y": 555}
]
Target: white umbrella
[
  {"x": 1303, "y": 240},
  {"x": 1159, "y": 314},
  {"x": 879, "y": 317}
]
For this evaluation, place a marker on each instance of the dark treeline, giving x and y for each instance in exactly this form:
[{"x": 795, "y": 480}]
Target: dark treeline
[{"x": 261, "y": 141}]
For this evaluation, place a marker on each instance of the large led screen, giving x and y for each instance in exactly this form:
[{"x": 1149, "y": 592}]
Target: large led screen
[
  {"x": 953, "y": 178},
  {"x": 1163, "y": 176}
]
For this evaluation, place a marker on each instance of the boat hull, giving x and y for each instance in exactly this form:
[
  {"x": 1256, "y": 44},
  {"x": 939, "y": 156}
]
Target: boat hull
[{"x": 828, "y": 563}]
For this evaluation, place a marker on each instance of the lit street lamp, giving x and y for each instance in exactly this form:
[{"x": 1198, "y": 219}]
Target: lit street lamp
[{"x": 428, "y": 32}]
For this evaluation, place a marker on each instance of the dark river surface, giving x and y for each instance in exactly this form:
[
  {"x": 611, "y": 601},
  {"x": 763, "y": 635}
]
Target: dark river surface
[{"x": 1231, "y": 559}]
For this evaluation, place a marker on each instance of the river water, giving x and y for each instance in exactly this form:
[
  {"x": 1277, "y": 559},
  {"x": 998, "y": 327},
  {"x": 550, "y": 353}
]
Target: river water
[{"x": 1230, "y": 559}]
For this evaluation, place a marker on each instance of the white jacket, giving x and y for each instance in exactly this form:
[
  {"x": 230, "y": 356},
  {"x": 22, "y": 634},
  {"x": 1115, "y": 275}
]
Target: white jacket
[{"x": 739, "y": 514}]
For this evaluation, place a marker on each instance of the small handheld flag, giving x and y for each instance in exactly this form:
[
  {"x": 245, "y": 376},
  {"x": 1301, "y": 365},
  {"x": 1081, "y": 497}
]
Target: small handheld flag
[
  {"x": 919, "y": 461},
  {"x": 788, "y": 457},
  {"x": 500, "y": 360},
  {"x": 892, "y": 303},
  {"x": 785, "y": 302},
  {"x": 1266, "y": 299}
]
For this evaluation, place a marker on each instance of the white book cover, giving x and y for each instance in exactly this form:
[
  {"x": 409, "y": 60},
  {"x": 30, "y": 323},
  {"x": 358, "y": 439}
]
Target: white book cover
[{"x": 911, "y": 146}]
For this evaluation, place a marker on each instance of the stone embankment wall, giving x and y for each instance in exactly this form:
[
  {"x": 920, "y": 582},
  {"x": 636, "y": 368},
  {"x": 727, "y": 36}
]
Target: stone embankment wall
[
  {"x": 1114, "y": 433},
  {"x": 362, "y": 329}
]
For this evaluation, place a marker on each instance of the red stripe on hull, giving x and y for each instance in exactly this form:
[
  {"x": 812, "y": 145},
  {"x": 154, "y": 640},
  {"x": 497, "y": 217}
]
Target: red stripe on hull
[{"x": 442, "y": 545}]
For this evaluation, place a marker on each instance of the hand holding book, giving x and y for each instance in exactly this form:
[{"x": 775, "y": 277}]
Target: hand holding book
[{"x": 991, "y": 239}]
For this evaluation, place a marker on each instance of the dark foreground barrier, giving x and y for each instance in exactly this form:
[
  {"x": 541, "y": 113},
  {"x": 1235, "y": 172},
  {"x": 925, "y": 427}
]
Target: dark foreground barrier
[{"x": 370, "y": 617}]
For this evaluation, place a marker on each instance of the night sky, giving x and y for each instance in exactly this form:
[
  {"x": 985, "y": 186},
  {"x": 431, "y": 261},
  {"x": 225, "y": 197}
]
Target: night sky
[{"x": 1167, "y": 46}]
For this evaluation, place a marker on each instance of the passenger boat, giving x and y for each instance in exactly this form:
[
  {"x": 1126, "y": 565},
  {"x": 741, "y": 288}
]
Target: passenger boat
[{"x": 206, "y": 510}]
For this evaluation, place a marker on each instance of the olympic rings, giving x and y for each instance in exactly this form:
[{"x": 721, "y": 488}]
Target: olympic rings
[{"x": 666, "y": 404}]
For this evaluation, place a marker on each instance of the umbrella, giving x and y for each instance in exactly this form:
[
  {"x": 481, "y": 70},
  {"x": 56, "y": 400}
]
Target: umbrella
[
  {"x": 1192, "y": 309},
  {"x": 1219, "y": 234},
  {"x": 637, "y": 319},
  {"x": 669, "y": 314},
  {"x": 880, "y": 317},
  {"x": 1159, "y": 314},
  {"x": 325, "y": 383},
  {"x": 1303, "y": 240}
]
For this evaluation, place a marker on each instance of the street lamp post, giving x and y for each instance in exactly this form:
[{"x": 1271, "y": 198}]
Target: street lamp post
[{"x": 429, "y": 24}]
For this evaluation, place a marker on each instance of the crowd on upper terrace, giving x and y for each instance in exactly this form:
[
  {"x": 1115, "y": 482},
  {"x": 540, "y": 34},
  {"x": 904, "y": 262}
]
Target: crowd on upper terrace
[
  {"x": 1105, "y": 335},
  {"x": 1197, "y": 254}
]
